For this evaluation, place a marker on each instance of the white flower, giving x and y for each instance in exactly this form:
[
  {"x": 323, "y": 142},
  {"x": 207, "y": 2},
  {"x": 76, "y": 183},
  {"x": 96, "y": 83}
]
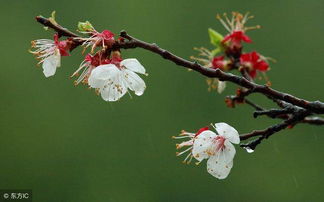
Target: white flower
[
  {"x": 216, "y": 84},
  {"x": 189, "y": 143},
  {"x": 217, "y": 148},
  {"x": 49, "y": 53},
  {"x": 113, "y": 82},
  {"x": 51, "y": 63},
  {"x": 221, "y": 86}
]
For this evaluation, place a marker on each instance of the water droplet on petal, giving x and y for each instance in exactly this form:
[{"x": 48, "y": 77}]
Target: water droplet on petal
[{"x": 249, "y": 150}]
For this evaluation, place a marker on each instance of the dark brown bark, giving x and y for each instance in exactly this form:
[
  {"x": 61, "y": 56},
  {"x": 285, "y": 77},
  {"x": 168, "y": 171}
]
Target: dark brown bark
[{"x": 292, "y": 110}]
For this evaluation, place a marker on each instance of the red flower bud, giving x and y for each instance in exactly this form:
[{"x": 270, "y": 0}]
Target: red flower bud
[
  {"x": 218, "y": 62},
  {"x": 236, "y": 38},
  {"x": 253, "y": 63}
]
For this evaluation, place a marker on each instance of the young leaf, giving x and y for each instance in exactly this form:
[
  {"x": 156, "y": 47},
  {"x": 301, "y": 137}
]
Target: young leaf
[
  {"x": 52, "y": 18},
  {"x": 215, "y": 37}
]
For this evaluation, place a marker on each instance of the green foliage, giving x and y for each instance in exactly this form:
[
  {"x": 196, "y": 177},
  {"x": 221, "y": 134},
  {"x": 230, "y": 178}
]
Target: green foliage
[{"x": 215, "y": 39}]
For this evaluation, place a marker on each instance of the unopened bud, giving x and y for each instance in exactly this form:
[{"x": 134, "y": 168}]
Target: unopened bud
[{"x": 85, "y": 27}]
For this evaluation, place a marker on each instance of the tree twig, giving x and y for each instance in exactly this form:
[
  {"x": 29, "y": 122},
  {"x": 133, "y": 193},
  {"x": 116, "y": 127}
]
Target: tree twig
[
  {"x": 314, "y": 106},
  {"x": 266, "y": 133},
  {"x": 294, "y": 110}
]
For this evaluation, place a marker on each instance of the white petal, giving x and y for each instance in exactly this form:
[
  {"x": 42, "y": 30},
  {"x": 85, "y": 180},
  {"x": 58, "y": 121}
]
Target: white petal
[
  {"x": 50, "y": 64},
  {"x": 221, "y": 86},
  {"x": 100, "y": 75},
  {"x": 114, "y": 89},
  {"x": 228, "y": 132},
  {"x": 227, "y": 153},
  {"x": 217, "y": 168},
  {"x": 134, "y": 82},
  {"x": 133, "y": 65},
  {"x": 203, "y": 144}
]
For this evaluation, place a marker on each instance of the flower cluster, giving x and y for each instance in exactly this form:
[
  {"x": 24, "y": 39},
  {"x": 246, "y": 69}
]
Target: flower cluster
[
  {"x": 103, "y": 69},
  {"x": 216, "y": 147},
  {"x": 112, "y": 76},
  {"x": 228, "y": 54}
]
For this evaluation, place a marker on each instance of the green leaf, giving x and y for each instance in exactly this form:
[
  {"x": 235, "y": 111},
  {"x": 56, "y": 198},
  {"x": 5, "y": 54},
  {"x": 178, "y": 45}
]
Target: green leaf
[
  {"x": 215, "y": 37},
  {"x": 85, "y": 26},
  {"x": 52, "y": 18}
]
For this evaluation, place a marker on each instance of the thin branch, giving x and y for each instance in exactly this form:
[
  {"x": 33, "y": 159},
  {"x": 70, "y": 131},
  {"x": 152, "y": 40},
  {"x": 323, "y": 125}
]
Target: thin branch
[
  {"x": 313, "y": 120},
  {"x": 59, "y": 29},
  {"x": 309, "y": 120},
  {"x": 266, "y": 133},
  {"x": 314, "y": 106},
  {"x": 252, "y": 104},
  {"x": 294, "y": 110},
  {"x": 272, "y": 113}
]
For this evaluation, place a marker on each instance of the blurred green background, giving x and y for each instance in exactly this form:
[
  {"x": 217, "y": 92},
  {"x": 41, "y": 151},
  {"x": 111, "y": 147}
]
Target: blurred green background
[{"x": 66, "y": 144}]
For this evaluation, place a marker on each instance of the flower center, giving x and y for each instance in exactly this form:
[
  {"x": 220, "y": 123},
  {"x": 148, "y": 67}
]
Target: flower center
[
  {"x": 220, "y": 143},
  {"x": 249, "y": 65}
]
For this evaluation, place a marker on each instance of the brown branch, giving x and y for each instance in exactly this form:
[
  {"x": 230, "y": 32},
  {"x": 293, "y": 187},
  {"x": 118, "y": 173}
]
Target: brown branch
[
  {"x": 252, "y": 104},
  {"x": 59, "y": 29},
  {"x": 272, "y": 113},
  {"x": 309, "y": 120},
  {"x": 314, "y": 106},
  {"x": 275, "y": 128},
  {"x": 266, "y": 133},
  {"x": 289, "y": 113},
  {"x": 313, "y": 120},
  {"x": 294, "y": 109}
]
